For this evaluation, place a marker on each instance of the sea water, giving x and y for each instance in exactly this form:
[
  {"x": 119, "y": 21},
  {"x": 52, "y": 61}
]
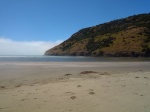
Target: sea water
[{"x": 41, "y": 58}]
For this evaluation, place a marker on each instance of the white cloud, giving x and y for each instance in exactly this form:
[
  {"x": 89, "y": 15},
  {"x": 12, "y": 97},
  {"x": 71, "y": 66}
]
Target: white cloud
[{"x": 11, "y": 47}]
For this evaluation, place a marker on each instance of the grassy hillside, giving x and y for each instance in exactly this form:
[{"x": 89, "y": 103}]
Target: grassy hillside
[{"x": 128, "y": 37}]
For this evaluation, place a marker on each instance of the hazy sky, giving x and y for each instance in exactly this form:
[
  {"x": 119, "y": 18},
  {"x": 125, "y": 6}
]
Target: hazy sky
[{"x": 29, "y": 25}]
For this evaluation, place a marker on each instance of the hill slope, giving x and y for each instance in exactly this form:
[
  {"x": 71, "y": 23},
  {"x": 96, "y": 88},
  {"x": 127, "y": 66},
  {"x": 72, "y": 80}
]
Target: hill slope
[{"x": 123, "y": 37}]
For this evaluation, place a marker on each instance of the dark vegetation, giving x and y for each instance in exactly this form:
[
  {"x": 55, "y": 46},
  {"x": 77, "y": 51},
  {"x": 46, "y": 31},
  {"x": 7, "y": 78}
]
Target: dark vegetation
[{"x": 128, "y": 37}]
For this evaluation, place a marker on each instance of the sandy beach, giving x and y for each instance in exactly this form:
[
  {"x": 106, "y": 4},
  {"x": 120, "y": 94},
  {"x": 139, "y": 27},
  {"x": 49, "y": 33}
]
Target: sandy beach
[{"x": 75, "y": 87}]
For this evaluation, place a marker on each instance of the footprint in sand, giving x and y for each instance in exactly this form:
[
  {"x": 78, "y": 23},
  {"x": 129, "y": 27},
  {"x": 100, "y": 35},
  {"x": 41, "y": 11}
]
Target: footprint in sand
[
  {"x": 91, "y": 92},
  {"x": 3, "y": 108},
  {"x": 73, "y": 97},
  {"x": 69, "y": 93},
  {"x": 123, "y": 85},
  {"x": 146, "y": 78},
  {"x": 138, "y": 94},
  {"x": 2, "y": 87},
  {"x": 19, "y": 85},
  {"x": 23, "y": 99}
]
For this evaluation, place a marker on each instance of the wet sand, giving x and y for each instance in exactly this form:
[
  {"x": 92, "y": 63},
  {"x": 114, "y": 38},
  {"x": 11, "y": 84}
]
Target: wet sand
[{"x": 75, "y": 87}]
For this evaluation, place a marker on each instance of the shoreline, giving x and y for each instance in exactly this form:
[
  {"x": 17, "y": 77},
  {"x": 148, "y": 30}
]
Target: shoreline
[{"x": 33, "y": 72}]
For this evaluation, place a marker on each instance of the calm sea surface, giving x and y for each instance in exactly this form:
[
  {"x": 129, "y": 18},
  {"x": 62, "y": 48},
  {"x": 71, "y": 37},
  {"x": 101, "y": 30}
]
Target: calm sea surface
[{"x": 67, "y": 59}]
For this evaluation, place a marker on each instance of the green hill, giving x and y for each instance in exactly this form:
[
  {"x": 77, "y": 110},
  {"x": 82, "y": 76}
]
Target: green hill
[{"x": 127, "y": 37}]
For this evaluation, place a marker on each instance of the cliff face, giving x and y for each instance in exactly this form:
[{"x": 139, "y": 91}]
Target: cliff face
[{"x": 123, "y": 37}]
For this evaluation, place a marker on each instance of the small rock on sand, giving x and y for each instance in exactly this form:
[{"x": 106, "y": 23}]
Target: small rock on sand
[
  {"x": 73, "y": 97},
  {"x": 79, "y": 86}
]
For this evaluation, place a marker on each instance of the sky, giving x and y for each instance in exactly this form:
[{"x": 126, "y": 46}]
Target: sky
[{"x": 30, "y": 27}]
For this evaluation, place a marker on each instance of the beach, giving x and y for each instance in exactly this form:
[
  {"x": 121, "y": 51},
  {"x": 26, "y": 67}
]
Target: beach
[{"x": 74, "y": 87}]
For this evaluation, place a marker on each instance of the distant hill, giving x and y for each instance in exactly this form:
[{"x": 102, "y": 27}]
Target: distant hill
[{"x": 127, "y": 37}]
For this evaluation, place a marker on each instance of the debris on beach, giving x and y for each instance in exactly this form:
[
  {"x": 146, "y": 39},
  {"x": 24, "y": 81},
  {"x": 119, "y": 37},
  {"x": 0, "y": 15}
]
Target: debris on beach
[
  {"x": 87, "y": 72},
  {"x": 67, "y": 74}
]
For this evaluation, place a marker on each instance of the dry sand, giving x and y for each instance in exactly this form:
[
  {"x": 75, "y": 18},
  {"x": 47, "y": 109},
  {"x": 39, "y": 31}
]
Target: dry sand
[{"x": 75, "y": 87}]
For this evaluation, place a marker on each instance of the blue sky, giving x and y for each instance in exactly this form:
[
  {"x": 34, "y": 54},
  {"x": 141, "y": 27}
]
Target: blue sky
[{"x": 53, "y": 21}]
